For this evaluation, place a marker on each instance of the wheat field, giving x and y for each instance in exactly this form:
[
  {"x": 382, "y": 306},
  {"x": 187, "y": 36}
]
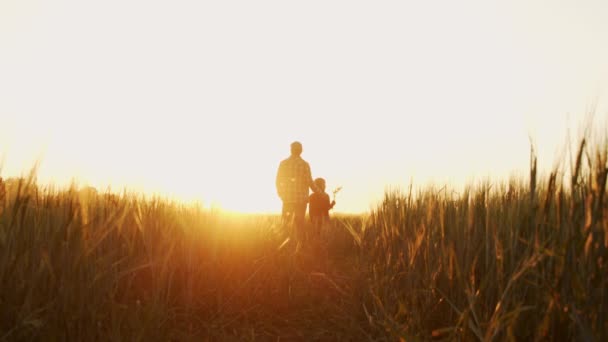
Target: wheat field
[{"x": 504, "y": 260}]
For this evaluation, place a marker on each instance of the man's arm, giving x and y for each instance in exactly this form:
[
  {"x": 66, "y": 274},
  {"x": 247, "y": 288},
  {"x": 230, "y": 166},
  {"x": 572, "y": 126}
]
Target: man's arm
[
  {"x": 311, "y": 183},
  {"x": 280, "y": 180}
]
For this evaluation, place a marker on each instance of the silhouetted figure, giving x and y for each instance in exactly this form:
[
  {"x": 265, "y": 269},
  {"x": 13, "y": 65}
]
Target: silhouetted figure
[
  {"x": 319, "y": 207},
  {"x": 293, "y": 183}
]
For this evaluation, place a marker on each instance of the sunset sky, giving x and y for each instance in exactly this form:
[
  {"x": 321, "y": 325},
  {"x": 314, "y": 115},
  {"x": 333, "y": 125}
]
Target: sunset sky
[{"x": 201, "y": 99}]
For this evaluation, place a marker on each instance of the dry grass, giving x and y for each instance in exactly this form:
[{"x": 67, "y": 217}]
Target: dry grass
[{"x": 501, "y": 261}]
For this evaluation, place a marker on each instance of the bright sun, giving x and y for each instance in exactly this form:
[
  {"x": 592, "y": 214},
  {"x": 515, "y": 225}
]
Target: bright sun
[{"x": 200, "y": 101}]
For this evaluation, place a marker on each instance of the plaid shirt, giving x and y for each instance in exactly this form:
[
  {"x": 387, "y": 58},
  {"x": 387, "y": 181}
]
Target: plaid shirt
[{"x": 294, "y": 180}]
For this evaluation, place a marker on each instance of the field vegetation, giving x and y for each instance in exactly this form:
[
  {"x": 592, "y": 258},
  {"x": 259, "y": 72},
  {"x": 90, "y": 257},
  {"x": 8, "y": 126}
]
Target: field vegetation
[{"x": 522, "y": 259}]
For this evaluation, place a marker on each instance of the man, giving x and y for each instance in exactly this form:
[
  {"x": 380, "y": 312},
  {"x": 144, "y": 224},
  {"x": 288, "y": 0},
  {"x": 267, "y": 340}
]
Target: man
[{"x": 293, "y": 183}]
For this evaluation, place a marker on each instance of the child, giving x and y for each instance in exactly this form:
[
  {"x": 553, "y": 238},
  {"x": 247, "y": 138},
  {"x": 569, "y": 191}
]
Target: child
[{"x": 319, "y": 207}]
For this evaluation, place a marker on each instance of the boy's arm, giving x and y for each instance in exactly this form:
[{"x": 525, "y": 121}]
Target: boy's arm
[{"x": 329, "y": 205}]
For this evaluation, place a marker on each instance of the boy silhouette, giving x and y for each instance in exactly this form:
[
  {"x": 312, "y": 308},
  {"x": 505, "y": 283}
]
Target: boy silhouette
[{"x": 319, "y": 206}]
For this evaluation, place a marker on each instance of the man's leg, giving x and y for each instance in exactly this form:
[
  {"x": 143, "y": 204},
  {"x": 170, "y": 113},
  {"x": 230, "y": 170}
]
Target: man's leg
[
  {"x": 299, "y": 218},
  {"x": 287, "y": 219},
  {"x": 284, "y": 213}
]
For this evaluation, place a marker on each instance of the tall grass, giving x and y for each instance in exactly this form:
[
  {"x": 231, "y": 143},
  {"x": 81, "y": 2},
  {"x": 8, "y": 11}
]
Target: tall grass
[
  {"x": 122, "y": 267},
  {"x": 517, "y": 260},
  {"x": 502, "y": 261}
]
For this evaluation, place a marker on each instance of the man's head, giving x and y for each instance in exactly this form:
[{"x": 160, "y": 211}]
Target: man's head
[
  {"x": 320, "y": 184},
  {"x": 296, "y": 148}
]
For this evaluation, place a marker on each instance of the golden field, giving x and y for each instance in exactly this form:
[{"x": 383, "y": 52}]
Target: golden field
[{"x": 520, "y": 259}]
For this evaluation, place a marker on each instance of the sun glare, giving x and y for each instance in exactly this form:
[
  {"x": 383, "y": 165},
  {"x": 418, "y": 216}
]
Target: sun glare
[{"x": 200, "y": 101}]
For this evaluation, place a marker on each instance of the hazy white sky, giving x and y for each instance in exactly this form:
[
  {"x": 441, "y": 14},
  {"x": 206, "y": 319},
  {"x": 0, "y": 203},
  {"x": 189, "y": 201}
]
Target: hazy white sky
[{"x": 200, "y": 99}]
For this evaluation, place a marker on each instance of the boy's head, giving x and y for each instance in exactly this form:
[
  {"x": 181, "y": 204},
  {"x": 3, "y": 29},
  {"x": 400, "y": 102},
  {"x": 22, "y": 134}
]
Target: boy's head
[{"x": 320, "y": 184}]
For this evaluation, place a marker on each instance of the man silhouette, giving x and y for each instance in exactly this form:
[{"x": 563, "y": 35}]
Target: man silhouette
[{"x": 293, "y": 183}]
